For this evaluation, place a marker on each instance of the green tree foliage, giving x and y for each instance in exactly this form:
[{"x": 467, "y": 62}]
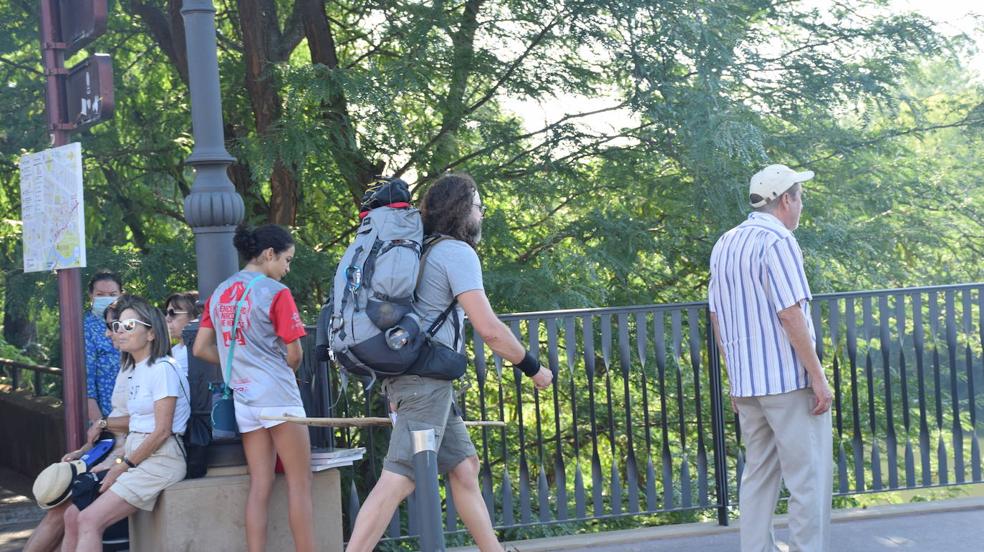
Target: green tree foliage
[{"x": 665, "y": 109}]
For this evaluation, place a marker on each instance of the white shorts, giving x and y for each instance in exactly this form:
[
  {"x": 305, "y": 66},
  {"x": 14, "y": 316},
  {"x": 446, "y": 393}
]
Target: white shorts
[{"x": 248, "y": 417}]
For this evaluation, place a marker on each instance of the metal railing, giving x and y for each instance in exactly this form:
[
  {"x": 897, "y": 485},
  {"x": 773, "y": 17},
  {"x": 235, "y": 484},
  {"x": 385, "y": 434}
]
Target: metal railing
[
  {"x": 12, "y": 371},
  {"x": 637, "y": 422}
]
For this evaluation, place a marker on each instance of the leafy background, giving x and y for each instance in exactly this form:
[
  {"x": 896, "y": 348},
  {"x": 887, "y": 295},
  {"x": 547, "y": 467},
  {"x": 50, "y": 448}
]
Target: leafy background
[{"x": 667, "y": 109}]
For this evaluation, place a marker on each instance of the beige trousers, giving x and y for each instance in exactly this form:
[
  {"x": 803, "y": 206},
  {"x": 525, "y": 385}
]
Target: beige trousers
[{"x": 783, "y": 440}]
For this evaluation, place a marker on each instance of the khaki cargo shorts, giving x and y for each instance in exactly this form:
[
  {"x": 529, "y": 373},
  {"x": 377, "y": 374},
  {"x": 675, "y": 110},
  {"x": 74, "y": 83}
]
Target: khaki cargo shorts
[
  {"x": 141, "y": 485},
  {"x": 424, "y": 403}
]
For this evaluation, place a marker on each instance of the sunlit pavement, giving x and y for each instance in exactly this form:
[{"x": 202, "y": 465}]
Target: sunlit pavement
[{"x": 939, "y": 526}]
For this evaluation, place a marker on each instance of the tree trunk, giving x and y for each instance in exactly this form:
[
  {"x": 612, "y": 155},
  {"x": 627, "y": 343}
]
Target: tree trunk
[
  {"x": 261, "y": 34},
  {"x": 453, "y": 108},
  {"x": 283, "y": 196},
  {"x": 357, "y": 169}
]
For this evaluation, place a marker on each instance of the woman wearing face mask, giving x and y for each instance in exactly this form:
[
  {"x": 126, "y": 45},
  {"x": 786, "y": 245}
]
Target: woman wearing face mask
[
  {"x": 267, "y": 352},
  {"x": 179, "y": 310},
  {"x": 102, "y": 359},
  {"x": 158, "y": 412}
]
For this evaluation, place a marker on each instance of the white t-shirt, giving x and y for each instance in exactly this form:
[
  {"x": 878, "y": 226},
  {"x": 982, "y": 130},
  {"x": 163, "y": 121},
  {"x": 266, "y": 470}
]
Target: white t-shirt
[
  {"x": 179, "y": 353},
  {"x": 121, "y": 394},
  {"x": 149, "y": 384}
]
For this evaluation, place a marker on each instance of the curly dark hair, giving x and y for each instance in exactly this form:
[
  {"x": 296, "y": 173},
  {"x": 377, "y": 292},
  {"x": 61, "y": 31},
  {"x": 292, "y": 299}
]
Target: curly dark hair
[{"x": 446, "y": 208}]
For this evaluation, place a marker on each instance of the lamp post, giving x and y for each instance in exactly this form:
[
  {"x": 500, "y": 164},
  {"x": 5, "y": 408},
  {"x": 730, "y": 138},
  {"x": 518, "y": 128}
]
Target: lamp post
[{"x": 213, "y": 208}]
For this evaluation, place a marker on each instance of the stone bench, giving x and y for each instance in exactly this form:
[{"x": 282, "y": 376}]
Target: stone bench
[{"x": 209, "y": 514}]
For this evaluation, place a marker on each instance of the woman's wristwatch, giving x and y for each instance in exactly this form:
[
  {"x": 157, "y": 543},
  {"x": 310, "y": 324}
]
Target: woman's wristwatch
[
  {"x": 103, "y": 423},
  {"x": 125, "y": 460}
]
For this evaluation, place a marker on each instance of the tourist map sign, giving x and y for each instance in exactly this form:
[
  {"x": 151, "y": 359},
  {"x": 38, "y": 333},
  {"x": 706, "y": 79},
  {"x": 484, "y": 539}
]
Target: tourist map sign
[{"x": 51, "y": 209}]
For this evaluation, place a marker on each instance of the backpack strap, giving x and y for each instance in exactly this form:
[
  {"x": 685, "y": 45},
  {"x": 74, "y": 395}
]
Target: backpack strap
[
  {"x": 181, "y": 385},
  {"x": 181, "y": 446},
  {"x": 440, "y": 320},
  {"x": 429, "y": 243},
  {"x": 235, "y": 329}
]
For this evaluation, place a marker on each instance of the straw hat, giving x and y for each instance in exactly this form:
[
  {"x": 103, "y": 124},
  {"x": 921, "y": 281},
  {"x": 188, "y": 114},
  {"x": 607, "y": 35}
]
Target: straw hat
[{"x": 54, "y": 484}]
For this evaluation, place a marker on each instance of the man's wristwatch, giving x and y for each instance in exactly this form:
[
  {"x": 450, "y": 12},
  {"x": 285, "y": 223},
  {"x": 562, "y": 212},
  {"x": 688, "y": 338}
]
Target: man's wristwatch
[
  {"x": 102, "y": 423},
  {"x": 125, "y": 460}
]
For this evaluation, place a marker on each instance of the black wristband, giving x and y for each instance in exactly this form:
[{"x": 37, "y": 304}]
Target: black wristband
[{"x": 529, "y": 365}]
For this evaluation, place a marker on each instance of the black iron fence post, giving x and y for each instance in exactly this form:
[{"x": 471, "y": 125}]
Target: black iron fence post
[{"x": 717, "y": 424}]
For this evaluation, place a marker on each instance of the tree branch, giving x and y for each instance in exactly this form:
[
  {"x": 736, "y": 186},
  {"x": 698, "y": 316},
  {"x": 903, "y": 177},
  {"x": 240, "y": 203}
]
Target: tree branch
[
  {"x": 166, "y": 30},
  {"x": 840, "y": 150},
  {"x": 293, "y": 32},
  {"x": 449, "y": 126},
  {"x": 20, "y": 66},
  {"x": 512, "y": 140},
  {"x": 354, "y": 166},
  {"x": 537, "y": 40}
]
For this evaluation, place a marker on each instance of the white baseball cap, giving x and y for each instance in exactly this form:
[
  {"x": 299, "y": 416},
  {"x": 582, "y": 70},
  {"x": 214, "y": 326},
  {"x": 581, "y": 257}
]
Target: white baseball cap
[{"x": 772, "y": 181}]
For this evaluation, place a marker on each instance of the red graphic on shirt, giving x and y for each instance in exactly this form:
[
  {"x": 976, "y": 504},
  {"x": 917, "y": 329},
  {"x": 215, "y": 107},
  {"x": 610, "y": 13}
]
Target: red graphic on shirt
[{"x": 227, "y": 313}]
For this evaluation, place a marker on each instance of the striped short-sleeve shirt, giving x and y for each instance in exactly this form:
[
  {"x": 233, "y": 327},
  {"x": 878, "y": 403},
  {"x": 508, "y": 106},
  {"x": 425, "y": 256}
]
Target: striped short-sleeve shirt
[{"x": 757, "y": 271}]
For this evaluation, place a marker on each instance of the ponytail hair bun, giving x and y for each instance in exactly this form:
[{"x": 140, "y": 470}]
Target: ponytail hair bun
[
  {"x": 245, "y": 241},
  {"x": 250, "y": 242}
]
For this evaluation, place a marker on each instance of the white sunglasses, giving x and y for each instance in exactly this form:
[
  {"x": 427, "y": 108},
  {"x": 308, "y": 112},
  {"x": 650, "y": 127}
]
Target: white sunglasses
[{"x": 128, "y": 325}]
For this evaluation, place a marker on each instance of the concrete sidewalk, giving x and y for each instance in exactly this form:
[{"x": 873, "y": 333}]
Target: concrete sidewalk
[
  {"x": 943, "y": 526},
  {"x": 18, "y": 513}
]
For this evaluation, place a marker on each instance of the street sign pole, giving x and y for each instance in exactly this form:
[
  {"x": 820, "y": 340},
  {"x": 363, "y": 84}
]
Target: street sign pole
[{"x": 69, "y": 279}]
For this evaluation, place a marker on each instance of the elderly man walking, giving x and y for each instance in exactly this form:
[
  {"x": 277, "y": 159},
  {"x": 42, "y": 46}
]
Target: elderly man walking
[{"x": 760, "y": 311}]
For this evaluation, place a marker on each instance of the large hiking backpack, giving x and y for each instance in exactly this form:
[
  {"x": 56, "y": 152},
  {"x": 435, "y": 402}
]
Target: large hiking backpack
[
  {"x": 368, "y": 326},
  {"x": 373, "y": 289}
]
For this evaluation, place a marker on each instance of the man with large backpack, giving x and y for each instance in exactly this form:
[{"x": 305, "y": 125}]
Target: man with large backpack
[{"x": 449, "y": 287}]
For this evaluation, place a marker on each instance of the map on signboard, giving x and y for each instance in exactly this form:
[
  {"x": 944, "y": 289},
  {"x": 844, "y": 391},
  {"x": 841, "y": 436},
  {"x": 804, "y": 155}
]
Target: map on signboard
[{"x": 51, "y": 209}]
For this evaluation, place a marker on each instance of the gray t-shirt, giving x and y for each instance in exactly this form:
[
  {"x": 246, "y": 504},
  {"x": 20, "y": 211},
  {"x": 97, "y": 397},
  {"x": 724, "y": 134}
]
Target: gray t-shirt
[
  {"x": 267, "y": 322},
  {"x": 451, "y": 268}
]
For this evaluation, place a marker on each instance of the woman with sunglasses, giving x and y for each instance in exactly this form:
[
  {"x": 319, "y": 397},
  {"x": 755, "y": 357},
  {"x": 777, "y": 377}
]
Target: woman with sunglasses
[
  {"x": 158, "y": 412},
  {"x": 179, "y": 310},
  {"x": 265, "y": 357},
  {"x": 48, "y": 534}
]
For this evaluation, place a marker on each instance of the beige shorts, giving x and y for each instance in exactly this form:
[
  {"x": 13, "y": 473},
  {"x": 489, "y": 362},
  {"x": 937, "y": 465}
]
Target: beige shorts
[
  {"x": 424, "y": 403},
  {"x": 248, "y": 417},
  {"x": 140, "y": 486}
]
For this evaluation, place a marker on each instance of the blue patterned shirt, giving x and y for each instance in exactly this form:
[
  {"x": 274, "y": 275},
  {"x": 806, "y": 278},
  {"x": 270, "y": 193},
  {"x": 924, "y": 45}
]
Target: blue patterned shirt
[{"x": 102, "y": 362}]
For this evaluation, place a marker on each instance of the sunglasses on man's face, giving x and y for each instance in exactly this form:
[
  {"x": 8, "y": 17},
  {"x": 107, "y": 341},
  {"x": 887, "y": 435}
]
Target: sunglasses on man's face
[
  {"x": 127, "y": 325},
  {"x": 171, "y": 313}
]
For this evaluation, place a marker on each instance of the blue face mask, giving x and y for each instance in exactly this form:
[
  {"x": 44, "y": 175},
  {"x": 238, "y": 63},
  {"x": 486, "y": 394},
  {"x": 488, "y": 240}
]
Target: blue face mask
[{"x": 99, "y": 305}]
